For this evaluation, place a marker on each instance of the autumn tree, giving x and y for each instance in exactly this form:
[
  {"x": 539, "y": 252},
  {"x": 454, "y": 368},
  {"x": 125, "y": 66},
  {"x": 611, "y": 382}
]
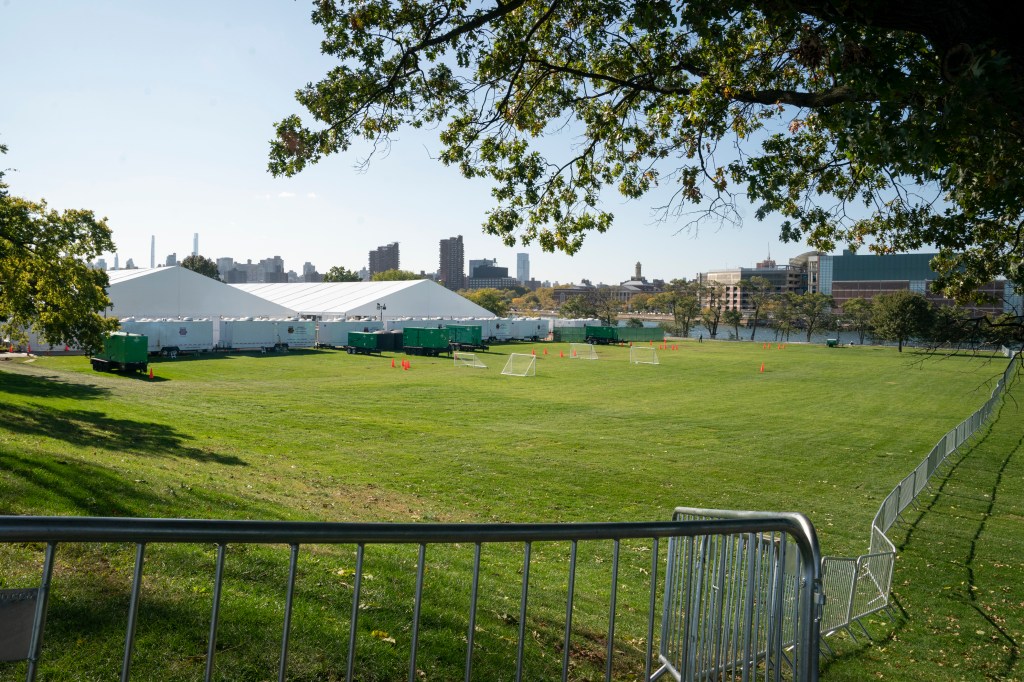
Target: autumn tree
[
  {"x": 494, "y": 300},
  {"x": 394, "y": 276},
  {"x": 339, "y": 273},
  {"x": 46, "y": 284},
  {"x": 202, "y": 265},
  {"x": 641, "y": 303},
  {"x": 894, "y": 124}
]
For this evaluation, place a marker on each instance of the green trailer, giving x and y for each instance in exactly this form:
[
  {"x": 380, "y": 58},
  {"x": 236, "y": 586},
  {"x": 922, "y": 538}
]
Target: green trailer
[
  {"x": 362, "y": 343},
  {"x": 122, "y": 351},
  {"x": 466, "y": 337},
  {"x": 606, "y": 335},
  {"x": 426, "y": 340},
  {"x": 600, "y": 334}
]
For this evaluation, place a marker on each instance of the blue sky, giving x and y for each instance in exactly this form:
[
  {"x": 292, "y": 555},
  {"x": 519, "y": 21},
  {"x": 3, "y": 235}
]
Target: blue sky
[{"x": 158, "y": 116}]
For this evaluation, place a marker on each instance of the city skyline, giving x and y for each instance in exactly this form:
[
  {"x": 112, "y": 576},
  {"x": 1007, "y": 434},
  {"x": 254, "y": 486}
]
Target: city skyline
[{"x": 174, "y": 142}]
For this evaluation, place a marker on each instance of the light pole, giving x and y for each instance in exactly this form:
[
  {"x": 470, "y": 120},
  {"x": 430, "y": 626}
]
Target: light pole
[{"x": 381, "y": 307}]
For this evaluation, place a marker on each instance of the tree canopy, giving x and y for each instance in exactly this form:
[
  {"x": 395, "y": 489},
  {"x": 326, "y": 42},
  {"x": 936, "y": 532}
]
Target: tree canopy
[
  {"x": 203, "y": 265},
  {"x": 46, "y": 284},
  {"x": 901, "y": 316},
  {"x": 339, "y": 274},
  {"x": 394, "y": 276},
  {"x": 895, "y": 125},
  {"x": 494, "y": 300}
]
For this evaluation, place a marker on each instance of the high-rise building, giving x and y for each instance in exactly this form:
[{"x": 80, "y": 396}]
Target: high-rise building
[
  {"x": 384, "y": 258},
  {"x": 451, "y": 271},
  {"x": 224, "y": 266},
  {"x": 483, "y": 262},
  {"x": 523, "y": 267},
  {"x": 171, "y": 260}
]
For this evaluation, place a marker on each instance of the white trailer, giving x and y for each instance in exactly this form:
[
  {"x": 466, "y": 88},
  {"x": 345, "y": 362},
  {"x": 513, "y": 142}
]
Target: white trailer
[
  {"x": 334, "y": 333},
  {"x": 530, "y": 328},
  {"x": 265, "y": 334},
  {"x": 172, "y": 336},
  {"x": 296, "y": 334}
]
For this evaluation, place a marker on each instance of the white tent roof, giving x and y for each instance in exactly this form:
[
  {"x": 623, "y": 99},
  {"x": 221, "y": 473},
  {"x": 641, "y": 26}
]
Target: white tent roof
[
  {"x": 408, "y": 298},
  {"x": 179, "y": 292}
]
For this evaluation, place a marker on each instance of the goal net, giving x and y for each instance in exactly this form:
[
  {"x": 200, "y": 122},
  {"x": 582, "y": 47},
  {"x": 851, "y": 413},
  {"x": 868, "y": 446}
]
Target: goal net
[
  {"x": 582, "y": 351},
  {"x": 643, "y": 355},
  {"x": 521, "y": 365},
  {"x": 463, "y": 359}
]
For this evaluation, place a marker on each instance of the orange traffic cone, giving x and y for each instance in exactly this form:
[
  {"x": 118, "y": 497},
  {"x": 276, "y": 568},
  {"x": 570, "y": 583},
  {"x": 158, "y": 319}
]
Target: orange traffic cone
[
  {"x": 561, "y": 354},
  {"x": 533, "y": 352},
  {"x": 150, "y": 372},
  {"x": 545, "y": 351},
  {"x": 762, "y": 368},
  {"x": 392, "y": 363}
]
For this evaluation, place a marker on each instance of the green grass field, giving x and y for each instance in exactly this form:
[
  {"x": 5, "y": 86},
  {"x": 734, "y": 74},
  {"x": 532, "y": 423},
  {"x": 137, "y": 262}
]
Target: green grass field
[{"x": 322, "y": 435}]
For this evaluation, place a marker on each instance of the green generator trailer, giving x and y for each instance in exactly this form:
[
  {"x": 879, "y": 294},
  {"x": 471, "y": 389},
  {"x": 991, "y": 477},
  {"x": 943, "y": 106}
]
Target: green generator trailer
[
  {"x": 362, "y": 343},
  {"x": 466, "y": 337},
  {"x": 426, "y": 340},
  {"x": 122, "y": 351},
  {"x": 372, "y": 343},
  {"x": 600, "y": 334}
]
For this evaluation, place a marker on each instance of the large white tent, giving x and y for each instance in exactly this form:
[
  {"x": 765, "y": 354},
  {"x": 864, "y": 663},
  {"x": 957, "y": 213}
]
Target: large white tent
[
  {"x": 408, "y": 298},
  {"x": 178, "y": 292}
]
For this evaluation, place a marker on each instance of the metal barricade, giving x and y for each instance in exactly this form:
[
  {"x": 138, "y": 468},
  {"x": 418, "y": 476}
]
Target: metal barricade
[
  {"x": 857, "y": 587},
  {"x": 743, "y": 606},
  {"x": 771, "y": 604}
]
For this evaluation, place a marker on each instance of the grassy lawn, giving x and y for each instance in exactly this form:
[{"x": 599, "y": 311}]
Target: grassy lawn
[{"x": 322, "y": 435}]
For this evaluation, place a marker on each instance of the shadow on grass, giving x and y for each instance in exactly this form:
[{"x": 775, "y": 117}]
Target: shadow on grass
[
  {"x": 236, "y": 354},
  {"x": 49, "y": 386},
  {"x": 92, "y": 429},
  {"x": 81, "y": 486}
]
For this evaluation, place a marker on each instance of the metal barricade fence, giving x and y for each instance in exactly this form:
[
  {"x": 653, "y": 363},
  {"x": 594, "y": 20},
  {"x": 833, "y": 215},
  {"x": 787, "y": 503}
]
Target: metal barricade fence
[
  {"x": 743, "y": 590},
  {"x": 749, "y": 609},
  {"x": 854, "y": 593}
]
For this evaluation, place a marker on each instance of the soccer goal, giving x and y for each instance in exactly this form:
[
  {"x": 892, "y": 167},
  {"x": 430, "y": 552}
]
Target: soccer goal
[
  {"x": 463, "y": 359},
  {"x": 521, "y": 365},
  {"x": 643, "y": 355},
  {"x": 582, "y": 351}
]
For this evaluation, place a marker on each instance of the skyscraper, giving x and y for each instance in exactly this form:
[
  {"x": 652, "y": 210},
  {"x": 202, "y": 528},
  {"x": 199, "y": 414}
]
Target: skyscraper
[
  {"x": 384, "y": 258},
  {"x": 523, "y": 267},
  {"x": 451, "y": 271}
]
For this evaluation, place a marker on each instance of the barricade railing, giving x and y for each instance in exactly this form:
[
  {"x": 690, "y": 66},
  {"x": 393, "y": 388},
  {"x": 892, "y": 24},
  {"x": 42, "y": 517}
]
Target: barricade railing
[
  {"x": 740, "y": 593},
  {"x": 856, "y": 587},
  {"x": 749, "y": 611}
]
